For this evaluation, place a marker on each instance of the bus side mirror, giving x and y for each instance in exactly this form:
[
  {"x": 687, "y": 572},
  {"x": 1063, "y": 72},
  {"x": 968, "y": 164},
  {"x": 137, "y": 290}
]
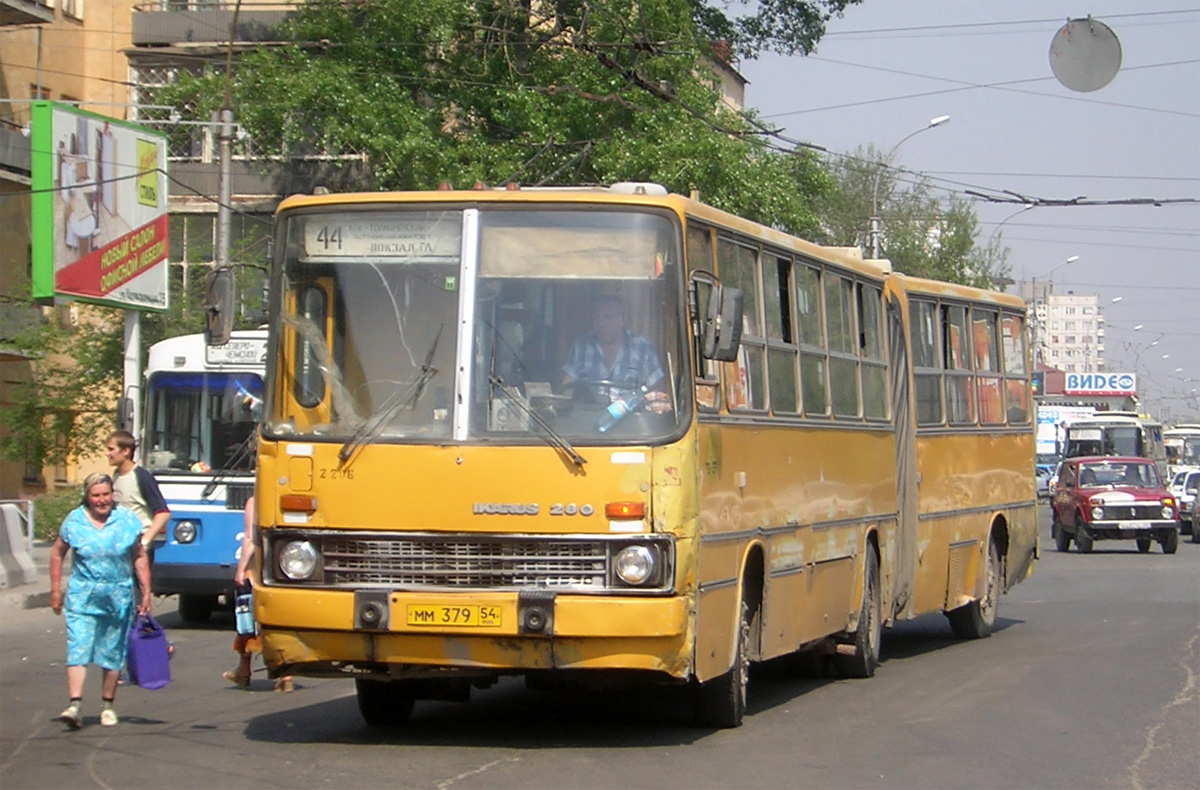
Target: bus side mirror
[
  {"x": 723, "y": 324},
  {"x": 125, "y": 414},
  {"x": 218, "y": 289}
]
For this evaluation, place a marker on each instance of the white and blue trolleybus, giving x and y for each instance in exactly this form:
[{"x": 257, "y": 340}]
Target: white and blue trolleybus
[{"x": 202, "y": 408}]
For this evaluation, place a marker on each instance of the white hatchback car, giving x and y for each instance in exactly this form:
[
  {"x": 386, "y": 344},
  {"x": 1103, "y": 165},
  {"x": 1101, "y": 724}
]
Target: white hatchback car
[{"x": 1184, "y": 486}]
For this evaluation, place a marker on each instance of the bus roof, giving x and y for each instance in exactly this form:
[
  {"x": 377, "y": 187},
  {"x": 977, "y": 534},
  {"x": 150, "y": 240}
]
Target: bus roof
[{"x": 648, "y": 194}]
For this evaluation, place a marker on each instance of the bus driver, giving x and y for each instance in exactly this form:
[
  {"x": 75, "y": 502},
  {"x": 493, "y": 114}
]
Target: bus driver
[{"x": 611, "y": 360}]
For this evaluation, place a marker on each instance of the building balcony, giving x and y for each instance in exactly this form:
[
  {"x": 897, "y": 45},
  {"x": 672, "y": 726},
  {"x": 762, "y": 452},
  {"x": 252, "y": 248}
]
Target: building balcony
[
  {"x": 25, "y": 12},
  {"x": 15, "y": 154},
  {"x": 189, "y": 26}
]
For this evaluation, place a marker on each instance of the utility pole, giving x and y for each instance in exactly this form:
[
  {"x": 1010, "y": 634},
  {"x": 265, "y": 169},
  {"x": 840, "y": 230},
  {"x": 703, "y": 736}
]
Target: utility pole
[{"x": 225, "y": 153}]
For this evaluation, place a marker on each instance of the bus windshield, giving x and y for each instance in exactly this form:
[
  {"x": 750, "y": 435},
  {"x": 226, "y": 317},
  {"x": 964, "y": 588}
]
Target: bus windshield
[
  {"x": 490, "y": 325},
  {"x": 1105, "y": 440},
  {"x": 200, "y": 421}
]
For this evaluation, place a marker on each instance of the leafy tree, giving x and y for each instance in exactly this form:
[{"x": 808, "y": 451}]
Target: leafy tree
[
  {"x": 558, "y": 92},
  {"x": 65, "y": 410},
  {"x": 920, "y": 234},
  {"x": 784, "y": 26}
]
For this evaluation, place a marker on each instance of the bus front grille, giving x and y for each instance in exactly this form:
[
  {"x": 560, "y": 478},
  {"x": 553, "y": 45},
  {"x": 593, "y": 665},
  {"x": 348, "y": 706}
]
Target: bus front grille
[
  {"x": 237, "y": 495},
  {"x": 465, "y": 563}
]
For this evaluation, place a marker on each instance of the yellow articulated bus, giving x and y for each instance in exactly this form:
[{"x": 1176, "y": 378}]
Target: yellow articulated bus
[{"x": 611, "y": 432}]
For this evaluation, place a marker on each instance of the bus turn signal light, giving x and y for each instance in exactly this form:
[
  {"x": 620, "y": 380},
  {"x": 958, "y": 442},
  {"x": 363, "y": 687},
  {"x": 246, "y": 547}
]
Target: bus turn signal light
[
  {"x": 620, "y": 511},
  {"x": 298, "y": 503}
]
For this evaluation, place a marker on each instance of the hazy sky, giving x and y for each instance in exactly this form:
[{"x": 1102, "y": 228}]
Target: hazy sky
[{"x": 889, "y": 66}]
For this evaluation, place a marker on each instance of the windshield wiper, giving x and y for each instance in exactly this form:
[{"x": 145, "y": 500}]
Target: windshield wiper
[
  {"x": 553, "y": 437},
  {"x": 397, "y": 400},
  {"x": 238, "y": 456}
]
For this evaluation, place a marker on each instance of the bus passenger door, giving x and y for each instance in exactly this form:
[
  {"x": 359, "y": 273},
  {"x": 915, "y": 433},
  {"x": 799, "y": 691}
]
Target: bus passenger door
[{"x": 904, "y": 420}]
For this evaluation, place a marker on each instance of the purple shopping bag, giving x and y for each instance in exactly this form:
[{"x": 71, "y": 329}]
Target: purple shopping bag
[{"x": 147, "y": 656}]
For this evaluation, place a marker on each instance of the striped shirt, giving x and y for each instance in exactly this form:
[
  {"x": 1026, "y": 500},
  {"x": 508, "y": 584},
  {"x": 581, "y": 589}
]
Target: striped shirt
[{"x": 636, "y": 364}]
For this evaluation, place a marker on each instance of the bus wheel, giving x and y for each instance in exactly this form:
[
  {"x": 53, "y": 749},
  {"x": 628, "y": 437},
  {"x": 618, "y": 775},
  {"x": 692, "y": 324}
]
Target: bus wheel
[
  {"x": 1083, "y": 540},
  {"x": 976, "y": 619},
  {"x": 1143, "y": 545},
  {"x": 1170, "y": 541},
  {"x": 383, "y": 703},
  {"x": 721, "y": 702},
  {"x": 862, "y": 662},
  {"x": 196, "y": 608}
]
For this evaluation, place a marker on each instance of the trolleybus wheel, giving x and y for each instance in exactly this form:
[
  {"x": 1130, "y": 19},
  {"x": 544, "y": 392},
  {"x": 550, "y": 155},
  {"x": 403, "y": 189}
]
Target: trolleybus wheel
[
  {"x": 862, "y": 662},
  {"x": 721, "y": 702},
  {"x": 976, "y": 619},
  {"x": 383, "y": 703}
]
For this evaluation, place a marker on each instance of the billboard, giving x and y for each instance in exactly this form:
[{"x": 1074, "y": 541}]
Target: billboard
[
  {"x": 1050, "y": 421},
  {"x": 1100, "y": 383},
  {"x": 99, "y": 209}
]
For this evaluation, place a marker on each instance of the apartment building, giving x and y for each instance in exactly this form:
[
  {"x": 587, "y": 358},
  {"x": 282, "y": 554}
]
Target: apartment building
[{"x": 1073, "y": 337}]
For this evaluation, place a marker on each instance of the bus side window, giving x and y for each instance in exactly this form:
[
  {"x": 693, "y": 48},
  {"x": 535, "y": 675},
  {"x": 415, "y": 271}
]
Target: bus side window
[{"x": 923, "y": 318}]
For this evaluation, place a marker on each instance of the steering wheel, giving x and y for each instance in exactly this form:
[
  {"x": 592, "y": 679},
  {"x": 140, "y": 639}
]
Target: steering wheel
[{"x": 583, "y": 388}]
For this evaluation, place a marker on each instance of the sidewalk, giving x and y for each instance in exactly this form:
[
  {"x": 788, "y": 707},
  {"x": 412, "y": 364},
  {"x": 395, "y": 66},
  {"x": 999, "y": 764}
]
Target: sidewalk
[{"x": 37, "y": 594}]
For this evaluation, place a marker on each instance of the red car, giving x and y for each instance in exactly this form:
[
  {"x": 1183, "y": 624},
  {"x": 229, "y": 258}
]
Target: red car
[{"x": 1113, "y": 498}]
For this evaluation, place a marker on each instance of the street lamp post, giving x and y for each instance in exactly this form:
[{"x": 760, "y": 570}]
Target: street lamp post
[
  {"x": 1037, "y": 348},
  {"x": 875, "y": 222}
]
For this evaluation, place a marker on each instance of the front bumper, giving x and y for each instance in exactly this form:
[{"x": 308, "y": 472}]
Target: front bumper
[
  {"x": 1125, "y": 530},
  {"x": 170, "y": 578},
  {"x": 322, "y": 633}
]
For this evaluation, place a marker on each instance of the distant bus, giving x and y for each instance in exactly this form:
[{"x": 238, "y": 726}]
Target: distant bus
[
  {"x": 1117, "y": 433},
  {"x": 823, "y": 448},
  {"x": 202, "y": 406},
  {"x": 1182, "y": 444}
]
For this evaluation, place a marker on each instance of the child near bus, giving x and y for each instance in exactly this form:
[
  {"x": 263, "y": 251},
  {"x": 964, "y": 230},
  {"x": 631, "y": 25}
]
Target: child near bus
[{"x": 246, "y": 645}]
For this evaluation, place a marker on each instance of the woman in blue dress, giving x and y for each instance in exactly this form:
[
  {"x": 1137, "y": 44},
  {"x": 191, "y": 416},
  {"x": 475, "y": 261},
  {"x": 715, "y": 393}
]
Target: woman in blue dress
[{"x": 100, "y": 594}]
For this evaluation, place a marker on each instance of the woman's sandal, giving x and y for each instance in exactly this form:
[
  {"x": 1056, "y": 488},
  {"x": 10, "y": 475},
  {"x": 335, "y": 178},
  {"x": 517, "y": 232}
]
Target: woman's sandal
[
  {"x": 241, "y": 681},
  {"x": 285, "y": 685}
]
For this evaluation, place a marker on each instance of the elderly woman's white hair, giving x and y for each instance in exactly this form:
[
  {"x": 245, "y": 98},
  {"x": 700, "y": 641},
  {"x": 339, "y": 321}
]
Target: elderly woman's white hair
[{"x": 94, "y": 479}]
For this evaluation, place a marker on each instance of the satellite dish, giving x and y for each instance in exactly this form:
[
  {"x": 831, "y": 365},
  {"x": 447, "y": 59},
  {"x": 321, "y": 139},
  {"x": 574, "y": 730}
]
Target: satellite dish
[{"x": 1085, "y": 55}]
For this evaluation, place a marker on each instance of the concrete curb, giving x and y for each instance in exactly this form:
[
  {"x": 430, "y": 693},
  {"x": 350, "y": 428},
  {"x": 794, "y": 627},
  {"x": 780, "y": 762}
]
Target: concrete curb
[{"x": 36, "y": 594}]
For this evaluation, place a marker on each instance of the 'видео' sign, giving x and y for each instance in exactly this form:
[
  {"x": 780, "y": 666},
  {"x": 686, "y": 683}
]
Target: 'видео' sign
[{"x": 1100, "y": 384}]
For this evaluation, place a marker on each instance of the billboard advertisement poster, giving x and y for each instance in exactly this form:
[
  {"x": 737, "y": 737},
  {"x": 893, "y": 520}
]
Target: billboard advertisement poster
[{"x": 99, "y": 209}]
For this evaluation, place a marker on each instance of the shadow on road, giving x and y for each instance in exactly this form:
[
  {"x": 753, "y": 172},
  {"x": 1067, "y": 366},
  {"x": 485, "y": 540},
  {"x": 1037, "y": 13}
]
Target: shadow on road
[{"x": 509, "y": 715}]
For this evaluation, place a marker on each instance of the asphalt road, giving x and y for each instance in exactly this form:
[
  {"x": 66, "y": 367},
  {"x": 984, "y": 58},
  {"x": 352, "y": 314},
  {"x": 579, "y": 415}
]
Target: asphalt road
[{"x": 1092, "y": 680}]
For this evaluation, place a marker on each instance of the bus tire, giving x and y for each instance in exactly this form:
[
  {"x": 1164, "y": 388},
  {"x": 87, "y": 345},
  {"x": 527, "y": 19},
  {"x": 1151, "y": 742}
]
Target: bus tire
[
  {"x": 721, "y": 702},
  {"x": 383, "y": 703},
  {"x": 1083, "y": 540},
  {"x": 976, "y": 619},
  {"x": 869, "y": 634},
  {"x": 196, "y": 608}
]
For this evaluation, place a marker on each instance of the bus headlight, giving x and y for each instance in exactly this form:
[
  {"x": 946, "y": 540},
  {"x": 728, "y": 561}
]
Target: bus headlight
[
  {"x": 635, "y": 565},
  {"x": 185, "y": 531},
  {"x": 298, "y": 560},
  {"x": 1097, "y": 513}
]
